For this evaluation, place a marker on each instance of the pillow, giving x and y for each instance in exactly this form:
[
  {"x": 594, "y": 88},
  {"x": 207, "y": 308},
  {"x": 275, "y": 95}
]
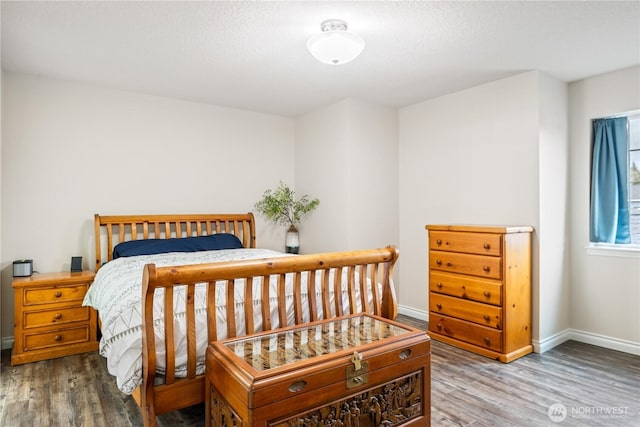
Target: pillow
[{"x": 212, "y": 242}]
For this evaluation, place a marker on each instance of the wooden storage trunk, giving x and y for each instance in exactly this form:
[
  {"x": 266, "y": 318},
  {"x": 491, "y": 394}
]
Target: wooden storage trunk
[{"x": 357, "y": 370}]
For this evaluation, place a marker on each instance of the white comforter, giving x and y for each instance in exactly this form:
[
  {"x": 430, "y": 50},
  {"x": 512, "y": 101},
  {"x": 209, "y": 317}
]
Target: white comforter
[{"x": 116, "y": 294}]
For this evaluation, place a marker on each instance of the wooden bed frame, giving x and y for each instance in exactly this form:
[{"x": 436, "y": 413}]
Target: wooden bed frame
[
  {"x": 122, "y": 228},
  {"x": 176, "y": 393}
]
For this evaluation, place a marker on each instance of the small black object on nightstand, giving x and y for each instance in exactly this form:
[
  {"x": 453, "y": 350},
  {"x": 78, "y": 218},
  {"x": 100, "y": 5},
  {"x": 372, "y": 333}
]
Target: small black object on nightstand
[{"x": 76, "y": 264}]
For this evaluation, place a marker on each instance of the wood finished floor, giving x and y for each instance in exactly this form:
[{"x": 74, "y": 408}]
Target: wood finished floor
[{"x": 596, "y": 386}]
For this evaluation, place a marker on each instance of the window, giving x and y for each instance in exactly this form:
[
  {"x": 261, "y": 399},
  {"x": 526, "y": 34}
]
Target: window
[
  {"x": 634, "y": 177},
  {"x": 615, "y": 181}
]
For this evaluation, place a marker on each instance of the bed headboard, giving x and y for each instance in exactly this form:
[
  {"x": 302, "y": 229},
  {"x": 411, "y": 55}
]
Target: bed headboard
[{"x": 114, "y": 229}]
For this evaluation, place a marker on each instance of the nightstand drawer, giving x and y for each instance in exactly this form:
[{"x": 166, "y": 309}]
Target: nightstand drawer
[
  {"x": 54, "y": 295},
  {"x": 470, "y": 243},
  {"x": 61, "y": 337},
  {"x": 35, "y": 319}
]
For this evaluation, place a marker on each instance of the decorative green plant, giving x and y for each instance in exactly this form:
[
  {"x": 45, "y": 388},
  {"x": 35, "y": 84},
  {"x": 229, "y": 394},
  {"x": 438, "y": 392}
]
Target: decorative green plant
[{"x": 280, "y": 206}]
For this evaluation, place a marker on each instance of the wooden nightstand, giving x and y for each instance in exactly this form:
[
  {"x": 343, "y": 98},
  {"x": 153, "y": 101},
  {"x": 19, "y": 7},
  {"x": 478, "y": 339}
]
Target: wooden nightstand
[{"x": 49, "y": 319}]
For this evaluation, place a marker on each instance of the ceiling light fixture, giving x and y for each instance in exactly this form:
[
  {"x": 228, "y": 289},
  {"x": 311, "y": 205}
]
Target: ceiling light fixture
[{"x": 335, "y": 45}]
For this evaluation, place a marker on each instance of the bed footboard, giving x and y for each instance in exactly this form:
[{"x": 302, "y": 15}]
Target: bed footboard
[{"x": 318, "y": 284}]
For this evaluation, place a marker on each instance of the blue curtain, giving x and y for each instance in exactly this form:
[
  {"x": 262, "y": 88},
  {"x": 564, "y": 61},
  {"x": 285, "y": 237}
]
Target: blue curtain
[{"x": 609, "y": 204}]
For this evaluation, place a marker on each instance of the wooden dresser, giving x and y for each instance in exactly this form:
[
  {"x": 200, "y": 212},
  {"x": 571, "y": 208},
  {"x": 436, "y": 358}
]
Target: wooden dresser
[
  {"x": 480, "y": 288},
  {"x": 49, "y": 319}
]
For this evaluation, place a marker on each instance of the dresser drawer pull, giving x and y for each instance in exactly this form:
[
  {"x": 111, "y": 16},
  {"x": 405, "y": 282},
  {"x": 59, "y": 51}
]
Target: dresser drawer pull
[
  {"x": 57, "y": 338},
  {"x": 439, "y": 262},
  {"x": 57, "y": 316},
  {"x": 487, "y": 294},
  {"x": 297, "y": 386},
  {"x": 486, "y": 268},
  {"x": 404, "y": 354},
  {"x": 439, "y": 242},
  {"x": 486, "y": 246},
  {"x": 486, "y": 317},
  {"x": 449, "y": 264},
  {"x": 58, "y": 294},
  {"x": 487, "y": 341},
  {"x": 446, "y": 330},
  {"x": 439, "y": 306},
  {"x": 439, "y": 285}
]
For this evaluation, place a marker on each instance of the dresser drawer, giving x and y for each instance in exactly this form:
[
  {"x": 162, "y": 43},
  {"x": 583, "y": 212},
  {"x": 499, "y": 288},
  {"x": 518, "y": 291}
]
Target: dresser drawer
[
  {"x": 61, "y": 337},
  {"x": 476, "y": 265},
  {"x": 54, "y": 295},
  {"x": 471, "y": 243},
  {"x": 483, "y": 314},
  {"x": 456, "y": 285},
  {"x": 35, "y": 319},
  {"x": 466, "y": 331}
]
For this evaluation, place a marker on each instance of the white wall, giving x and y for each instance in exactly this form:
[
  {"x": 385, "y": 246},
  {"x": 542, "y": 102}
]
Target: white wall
[
  {"x": 1, "y": 102},
  {"x": 494, "y": 154},
  {"x": 71, "y": 150},
  {"x": 373, "y": 176},
  {"x": 552, "y": 302},
  {"x": 469, "y": 157},
  {"x": 605, "y": 292},
  {"x": 1, "y": 121},
  {"x": 347, "y": 156},
  {"x": 321, "y": 170},
  {"x": 474, "y": 157}
]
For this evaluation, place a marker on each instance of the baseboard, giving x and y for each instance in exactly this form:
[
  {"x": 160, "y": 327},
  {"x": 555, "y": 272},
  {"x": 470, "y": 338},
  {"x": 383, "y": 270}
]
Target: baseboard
[
  {"x": 412, "y": 312},
  {"x": 606, "y": 342},
  {"x": 550, "y": 342},
  {"x": 7, "y": 343},
  {"x": 587, "y": 338}
]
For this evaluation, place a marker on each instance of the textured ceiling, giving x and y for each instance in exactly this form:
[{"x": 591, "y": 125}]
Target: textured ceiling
[{"x": 252, "y": 55}]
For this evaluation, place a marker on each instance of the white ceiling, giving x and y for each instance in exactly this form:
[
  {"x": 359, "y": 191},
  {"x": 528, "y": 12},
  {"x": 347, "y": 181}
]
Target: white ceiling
[{"x": 252, "y": 55}]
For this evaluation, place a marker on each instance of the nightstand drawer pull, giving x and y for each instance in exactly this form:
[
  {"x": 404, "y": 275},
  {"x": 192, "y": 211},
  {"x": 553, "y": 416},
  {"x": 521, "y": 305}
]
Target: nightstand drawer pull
[
  {"x": 486, "y": 268},
  {"x": 486, "y": 246},
  {"x": 487, "y": 341},
  {"x": 439, "y": 242},
  {"x": 57, "y": 338},
  {"x": 57, "y": 294},
  {"x": 439, "y": 306},
  {"x": 439, "y": 262},
  {"x": 439, "y": 285},
  {"x": 486, "y": 317},
  {"x": 487, "y": 294},
  {"x": 58, "y": 316}
]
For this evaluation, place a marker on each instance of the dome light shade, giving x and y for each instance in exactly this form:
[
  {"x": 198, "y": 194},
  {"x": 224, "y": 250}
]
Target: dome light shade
[{"x": 335, "y": 45}]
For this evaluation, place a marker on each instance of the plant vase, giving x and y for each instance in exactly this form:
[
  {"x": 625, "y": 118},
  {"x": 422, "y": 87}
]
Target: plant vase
[{"x": 292, "y": 240}]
